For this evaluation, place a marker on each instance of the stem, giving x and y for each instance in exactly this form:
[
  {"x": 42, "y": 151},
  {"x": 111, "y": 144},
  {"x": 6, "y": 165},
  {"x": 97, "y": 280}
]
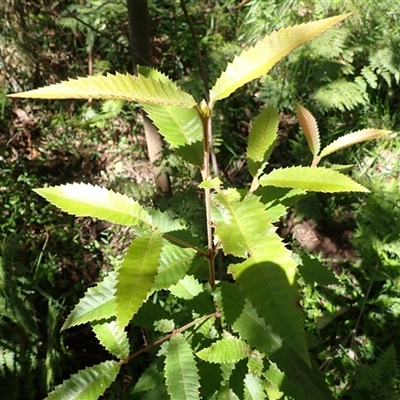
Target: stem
[
  {"x": 183, "y": 243},
  {"x": 169, "y": 336}
]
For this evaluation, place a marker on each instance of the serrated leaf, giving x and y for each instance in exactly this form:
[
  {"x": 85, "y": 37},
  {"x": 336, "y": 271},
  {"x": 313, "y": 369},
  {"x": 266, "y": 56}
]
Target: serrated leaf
[
  {"x": 267, "y": 277},
  {"x": 261, "y": 139},
  {"x": 179, "y": 126},
  {"x": 98, "y": 303},
  {"x": 112, "y": 337},
  {"x": 164, "y": 325},
  {"x": 312, "y": 179},
  {"x": 136, "y": 275},
  {"x": 253, "y": 388},
  {"x": 263, "y": 279},
  {"x": 310, "y": 128},
  {"x": 258, "y": 60},
  {"x": 86, "y": 200},
  {"x": 225, "y": 351},
  {"x": 149, "y": 379},
  {"x": 123, "y": 87},
  {"x": 181, "y": 372},
  {"x": 210, "y": 379},
  {"x": 174, "y": 264},
  {"x": 232, "y": 216},
  {"x": 352, "y": 138},
  {"x": 302, "y": 382},
  {"x": 243, "y": 318},
  {"x": 164, "y": 221},
  {"x": 313, "y": 271},
  {"x": 87, "y": 384},
  {"x": 187, "y": 288}
]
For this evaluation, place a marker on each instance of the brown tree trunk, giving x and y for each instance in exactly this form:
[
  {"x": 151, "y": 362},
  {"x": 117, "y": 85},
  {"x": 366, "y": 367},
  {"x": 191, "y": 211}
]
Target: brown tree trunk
[{"x": 139, "y": 35}]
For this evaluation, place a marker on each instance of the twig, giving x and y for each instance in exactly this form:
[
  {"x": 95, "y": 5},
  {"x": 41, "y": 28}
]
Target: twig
[
  {"x": 169, "y": 336},
  {"x": 204, "y": 78}
]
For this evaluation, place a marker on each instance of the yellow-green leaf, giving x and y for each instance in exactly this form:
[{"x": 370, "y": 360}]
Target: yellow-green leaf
[
  {"x": 258, "y": 60},
  {"x": 123, "y": 87},
  {"x": 311, "y": 179},
  {"x": 352, "y": 138}
]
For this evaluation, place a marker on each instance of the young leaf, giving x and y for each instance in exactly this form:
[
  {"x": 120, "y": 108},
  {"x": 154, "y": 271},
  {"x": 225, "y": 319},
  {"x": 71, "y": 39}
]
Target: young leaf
[
  {"x": 352, "y": 138},
  {"x": 112, "y": 337},
  {"x": 258, "y": 60},
  {"x": 311, "y": 179},
  {"x": 174, "y": 263},
  {"x": 86, "y": 200},
  {"x": 136, "y": 275},
  {"x": 261, "y": 139},
  {"x": 121, "y": 87},
  {"x": 98, "y": 303},
  {"x": 310, "y": 128},
  {"x": 87, "y": 384},
  {"x": 187, "y": 288},
  {"x": 181, "y": 372},
  {"x": 225, "y": 351}
]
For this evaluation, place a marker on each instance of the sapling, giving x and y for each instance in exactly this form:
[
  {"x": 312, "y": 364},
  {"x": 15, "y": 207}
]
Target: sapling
[{"x": 242, "y": 337}]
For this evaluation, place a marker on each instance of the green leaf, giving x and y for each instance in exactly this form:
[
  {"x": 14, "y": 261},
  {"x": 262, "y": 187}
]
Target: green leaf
[
  {"x": 268, "y": 277},
  {"x": 87, "y": 384},
  {"x": 149, "y": 379},
  {"x": 225, "y": 351},
  {"x": 302, "y": 382},
  {"x": 181, "y": 372},
  {"x": 180, "y": 126},
  {"x": 261, "y": 139},
  {"x": 238, "y": 233},
  {"x": 187, "y": 288},
  {"x": 312, "y": 179},
  {"x": 112, "y": 337},
  {"x": 353, "y": 138},
  {"x": 164, "y": 325},
  {"x": 313, "y": 271},
  {"x": 210, "y": 379},
  {"x": 174, "y": 264},
  {"x": 136, "y": 275},
  {"x": 254, "y": 388},
  {"x": 122, "y": 87},
  {"x": 98, "y": 303},
  {"x": 243, "y": 318},
  {"x": 258, "y": 60},
  {"x": 86, "y": 200},
  {"x": 310, "y": 128}
]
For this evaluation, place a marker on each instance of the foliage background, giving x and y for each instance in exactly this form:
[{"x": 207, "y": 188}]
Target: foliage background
[{"x": 349, "y": 79}]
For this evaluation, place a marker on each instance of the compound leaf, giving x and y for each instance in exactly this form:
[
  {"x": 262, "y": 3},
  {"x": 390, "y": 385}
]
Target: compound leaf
[
  {"x": 310, "y": 128},
  {"x": 98, "y": 303},
  {"x": 87, "y": 200},
  {"x": 136, "y": 275},
  {"x": 225, "y": 351},
  {"x": 122, "y": 87},
  {"x": 311, "y": 179},
  {"x": 87, "y": 384},
  {"x": 258, "y": 60},
  {"x": 181, "y": 372},
  {"x": 113, "y": 338},
  {"x": 352, "y": 138}
]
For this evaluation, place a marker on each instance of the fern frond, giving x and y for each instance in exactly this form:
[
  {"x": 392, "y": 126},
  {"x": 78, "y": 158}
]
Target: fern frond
[{"x": 341, "y": 94}]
